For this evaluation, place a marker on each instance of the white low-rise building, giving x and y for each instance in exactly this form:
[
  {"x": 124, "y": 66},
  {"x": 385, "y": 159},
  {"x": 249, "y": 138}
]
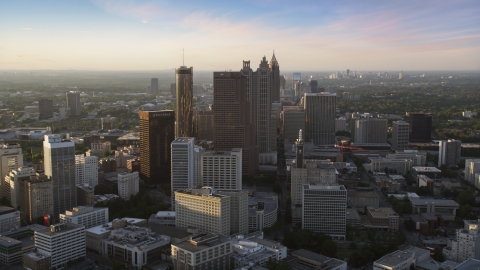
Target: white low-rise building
[
  {"x": 397, "y": 260},
  {"x": 86, "y": 216},
  {"x": 248, "y": 249},
  {"x": 164, "y": 218},
  {"x": 400, "y": 166}
]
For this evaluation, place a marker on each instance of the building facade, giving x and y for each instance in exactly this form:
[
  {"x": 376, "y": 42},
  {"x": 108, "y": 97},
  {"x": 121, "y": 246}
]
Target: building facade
[
  {"x": 472, "y": 167},
  {"x": 73, "y": 102},
  {"x": 182, "y": 165},
  {"x": 203, "y": 125},
  {"x": 320, "y": 110},
  {"x": 238, "y": 210},
  {"x": 128, "y": 184},
  {"x": 370, "y": 130},
  {"x": 449, "y": 153},
  {"x": 9, "y": 219},
  {"x": 420, "y": 127},
  {"x": 86, "y": 170},
  {"x": 86, "y": 216},
  {"x": 45, "y": 108},
  {"x": 36, "y": 197},
  {"x": 184, "y": 102},
  {"x": 400, "y": 135},
  {"x": 12, "y": 180},
  {"x": 293, "y": 119},
  {"x": 222, "y": 169},
  {"x": 11, "y": 158}
]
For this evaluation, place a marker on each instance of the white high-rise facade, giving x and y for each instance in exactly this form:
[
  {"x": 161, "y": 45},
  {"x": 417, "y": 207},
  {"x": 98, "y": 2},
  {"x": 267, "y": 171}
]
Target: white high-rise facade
[
  {"x": 449, "y": 153},
  {"x": 86, "y": 170},
  {"x": 400, "y": 135},
  {"x": 128, "y": 184},
  {"x": 466, "y": 244},
  {"x": 320, "y": 111},
  {"x": 182, "y": 165},
  {"x": 11, "y": 158},
  {"x": 59, "y": 164},
  {"x": 11, "y": 183},
  {"x": 86, "y": 216},
  {"x": 472, "y": 167},
  {"x": 222, "y": 169}
]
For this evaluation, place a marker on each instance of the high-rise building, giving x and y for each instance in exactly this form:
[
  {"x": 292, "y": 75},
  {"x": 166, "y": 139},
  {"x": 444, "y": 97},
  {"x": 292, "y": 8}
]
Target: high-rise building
[
  {"x": 154, "y": 86},
  {"x": 128, "y": 185},
  {"x": 86, "y": 170},
  {"x": 420, "y": 129},
  {"x": 233, "y": 127},
  {"x": 173, "y": 90},
  {"x": 45, "y": 108},
  {"x": 467, "y": 243},
  {"x": 203, "y": 125},
  {"x": 36, "y": 198},
  {"x": 59, "y": 164},
  {"x": 73, "y": 102},
  {"x": 258, "y": 92},
  {"x": 222, "y": 169},
  {"x": 11, "y": 158},
  {"x": 399, "y": 135},
  {"x": 12, "y": 190},
  {"x": 157, "y": 132},
  {"x": 324, "y": 209},
  {"x": 320, "y": 110},
  {"x": 238, "y": 210},
  {"x": 449, "y": 153},
  {"x": 182, "y": 165},
  {"x": 370, "y": 130},
  {"x": 203, "y": 209},
  {"x": 313, "y": 86},
  {"x": 86, "y": 216},
  {"x": 472, "y": 167},
  {"x": 275, "y": 68},
  {"x": 108, "y": 122},
  {"x": 184, "y": 102},
  {"x": 293, "y": 119},
  {"x": 340, "y": 124}
]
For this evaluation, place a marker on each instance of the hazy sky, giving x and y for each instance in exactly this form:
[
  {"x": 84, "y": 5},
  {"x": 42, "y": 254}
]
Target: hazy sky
[{"x": 218, "y": 35}]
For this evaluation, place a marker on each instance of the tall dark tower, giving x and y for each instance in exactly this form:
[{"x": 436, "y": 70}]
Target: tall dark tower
[
  {"x": 275, "y": 78},
  {"x": 154, "y": 86},
  {"x": 157, "y": 132},
  {"x": 233, "y": 125},
  {"x": 420, "y": 128},
  {"x": 314, "y": 86},
  {"x": 184, "y": 102},
  {"x": 299, "y": 149}
]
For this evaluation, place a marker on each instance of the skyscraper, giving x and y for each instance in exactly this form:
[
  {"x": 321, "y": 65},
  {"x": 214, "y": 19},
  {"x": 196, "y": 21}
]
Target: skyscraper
[
  {"x": 184, "y": 102},
  {"x": 182, "y": 165},
  {"x": 313, "y": 86},
  {"x": 420, "y": 129},
  {"x": 370, "y": 130},
  {"x": 320, "y": 109},
  {"x": 157, "y": 132},
  {"x": 59, "y": 164},
  {"x": 203, "y": 125},
  {"x": 154, "y": 86},
  {"x": 45, "y": 108},
  {"x": 73, "y": 102},
  {"x": 399, "y": 135},
  {"x": 275, "y": 68},
  {"x": 233, "y": 127},
  {"x": 11, "y": 158},
  {"x": 449, "y": 153},
  {"x": 86, "y": 170}
]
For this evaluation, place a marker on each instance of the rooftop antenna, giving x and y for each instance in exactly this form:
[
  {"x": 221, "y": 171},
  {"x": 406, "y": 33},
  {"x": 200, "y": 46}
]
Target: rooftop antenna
[{"x": 183, "y": 57}]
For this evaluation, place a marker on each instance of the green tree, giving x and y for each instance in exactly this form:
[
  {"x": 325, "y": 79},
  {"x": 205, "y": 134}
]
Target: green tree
[{"x": 329, "y": 248}]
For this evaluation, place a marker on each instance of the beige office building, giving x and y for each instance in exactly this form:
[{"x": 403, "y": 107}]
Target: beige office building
[
  {"x": 11, "y": 158},
  {"x": 222, "y": 169},
  {"x": 36, "y": 197},
  {"x": 238, "y": 210},
  {"x": 203, "y": 209}
]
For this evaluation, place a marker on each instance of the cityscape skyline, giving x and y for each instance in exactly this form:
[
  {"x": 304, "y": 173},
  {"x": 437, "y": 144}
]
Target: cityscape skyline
[{"x": 124, "y": 35}]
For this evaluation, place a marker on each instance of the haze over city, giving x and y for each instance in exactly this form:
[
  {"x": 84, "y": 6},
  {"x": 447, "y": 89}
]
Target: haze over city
[{"x": 218, "y": 35}]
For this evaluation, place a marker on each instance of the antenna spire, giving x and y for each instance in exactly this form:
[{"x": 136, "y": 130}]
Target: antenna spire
[{"x": 183, "y": 57}]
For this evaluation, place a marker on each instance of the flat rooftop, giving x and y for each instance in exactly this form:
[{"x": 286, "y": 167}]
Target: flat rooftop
[
  {"x": 470, "y": 264},
  {"x": 216, "y": 240},
  {"x": 381, "y": 212},
  {"x": 430, "y": 201},
  {"x": 324, "y": 187},
  {"x": 183, "y": 140},
  {"x": 67, "y": 228},
  {"x": 356, "y": 193},
  {"x": 5, "y": 210},
  {"x": 426, "y": 169},
  {"x": 395, "y": 258}
]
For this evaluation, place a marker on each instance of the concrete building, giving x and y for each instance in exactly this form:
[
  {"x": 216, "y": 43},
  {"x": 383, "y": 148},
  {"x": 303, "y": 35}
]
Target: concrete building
[
  {"x": 221, "y": 169},
  {"x": 108, "y": 122},
  {"x": 449, "y": 153},
  {"x": 154, "y": 86},
  {"x": 431, "y": 172},
  {"x": 383, "y": 218},
  {"x": 324, "y": 208},
  {"x": 254, "y": 249},
  {"x": 468, "y": 264},
  {"x": 128, "y": 184},
  {"x": 445, "y": 208},
  {"x": 306, "y": 260},
  {"x": 472, "y": 167},
  {"x": 36, "y": 197},
  {"x": 425, "y": 181},
  {"x": 59, "y": 164},
  {"x": 86, "y": 215},
  {"x": 182, "y": 169},
  {"x": 466, "y": 244},
  {"x": 203, "y": 125},
  {"x": 36, "y": 261},
  {"x": 320, "y": 110},
  {"x": 262, "y": 212},
  {"x": 239, "y": 217},
  {"x": 11, "y": 184},
  {"x": 363, "y": 198},
  {"x": 234, "y": 126},
  {"x": 86, "y": 170},
  {"x": 136, "y": 246},
  {"x": 419, "y": 158},
  {"x": 400, "y": 135},
  {"x": 203, "y": 209},
  {"x": 340, "y": 124},
  {"x": 9, "y": 219},
  {"x": 11, "y": 158},
  {"x": 370, "y": 130},
  {"x": 73, "y": 102},
  {"x": 157, "y": 132},
  {"x": 184, "y": 102},
  {"x": 397, "y": 260},
  {"x": 45, "y": 108},
  {"x": 293, "y": 119},
  {"x": 420, "y": 127},
  {"x": 469, "y": 114},
  {"x": 378, "y": 164},
  {"x": 166, "y": 218},
  {"x": 62, "y": 242},
  {"x": 205, "y": 251},
  {"x": 85, "y": 195}
]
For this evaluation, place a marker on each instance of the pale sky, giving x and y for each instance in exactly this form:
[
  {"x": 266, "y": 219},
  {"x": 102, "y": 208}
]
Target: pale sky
[{"x": 218, "y": 35}]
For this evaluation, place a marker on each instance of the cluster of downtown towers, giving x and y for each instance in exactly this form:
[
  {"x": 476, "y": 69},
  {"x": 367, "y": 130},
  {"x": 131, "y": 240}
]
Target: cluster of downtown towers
[{"x": 242, "y": 113}]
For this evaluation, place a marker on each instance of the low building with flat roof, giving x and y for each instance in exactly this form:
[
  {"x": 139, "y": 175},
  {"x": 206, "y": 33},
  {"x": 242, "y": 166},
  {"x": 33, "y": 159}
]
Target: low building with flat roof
[
  {"x": 360, "y": 198},
  {"x": 87, "y": 216},
  {"x": 431, "y": 172},
  {"x": 35, "y": 260},
  {"x": 397, "y": 260},
  {"x": 262, "y": 212},
  {"x": 446, "y": 208},
  {"x": 164, "y": 218},
  {"x": 352, "y": 216},
  {"x": 249, "y": 249},
  {"x": 306, "y": 260},
  {"x": 383, "y": 218},
  {"x": 469, "y": 265}
]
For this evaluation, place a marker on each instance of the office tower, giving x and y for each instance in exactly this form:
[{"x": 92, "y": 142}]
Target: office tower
[
  {"x": 258, "y": 92},
  {"x": 233, "y": 127},
  {"x": 9, "y": 219},
  {"x": 128, "y": 184},
  {"x": 340, "y": 124},
  {"x": 467, "y": 243},
  {"x": 320, "y": 112},
  {"x": 63, "y": 242},
  {"x": 45, "y": 108},
  {"x": 324, "y": 209},
  {"x": 275, "y": 68},
  {"x": 86, "y": 170},
  {"x": 203, "y": 209},
  {"x": 293, "y": 119},
  {"x": 36, "y": 197},
  {"x": 400, "y": 135},
  {"x": 12, "y": 184},
  {"x": 370, "y": 130},
  {"x": 157, "y": 132},
  {"x": 283, "y": 82},
  {"x": 59, "y": 164},
  {"x": 86, "y": 215},
  {"x": 182, "y": 165},
  {"x": 154, "y": 86},
  {"x": 472, "y": 167},
  {"x": 11, "y": 158},
  {"x": 238, "y": 210},
  {"x": 198, "y": 151},
  {"x": 108, "y": 122},
  {"x": 173, "y": 90},
  {"x": 219, "y": 248},
  {"x": 85, "y": 195},
  {"x": 203, "y": 125},
  {"x": 184, "y": 102},
  {"x": 222, "y": 169},
  {"x": 314, "y": 86},
  {"x": 73, "y": 102},
  {"x": 275, "y": 124},
  {"x": 449, "y": 153},
  {"x": 420, "y": 129}
]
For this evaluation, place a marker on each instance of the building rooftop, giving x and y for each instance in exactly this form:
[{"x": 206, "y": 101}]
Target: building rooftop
[
  {"x": 216, "y": 153},
  {"x": 395, "y": 258},
  {"x": 5, "y": 210},
  {"x": 431, "y": 201},
  {"x": 426, "y": 169},
  {"x": 172, "y": 232},
  {"x": 470, "y": 264},
  {"x": 324, "y": 187},
  {"x": 139, "y": 237},
  {"x": 108, "y": 226},
  {"x": 254, "y": 203},
  {"x": 418, "y": 218},
  {"x": 183, "y": 140},
  {"x": 358, "y": 193},
  {"x": 381, "y": 212},
  {"x": 57, "y": 229},
  {"x": 305, "y": 259},
  {"x": 203, "y": 241},
  {"x": 202, "y": 192},
  {"x": 9, "y": 242}
]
